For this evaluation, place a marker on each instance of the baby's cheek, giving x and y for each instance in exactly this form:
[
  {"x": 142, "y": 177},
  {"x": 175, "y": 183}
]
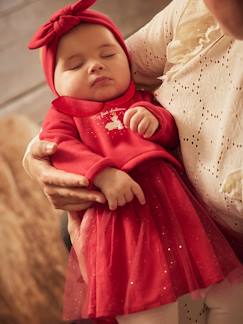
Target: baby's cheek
[{"x": 76, "y": 88}]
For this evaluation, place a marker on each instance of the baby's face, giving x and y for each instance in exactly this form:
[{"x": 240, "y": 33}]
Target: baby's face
[{"x": 91, "y": 64}]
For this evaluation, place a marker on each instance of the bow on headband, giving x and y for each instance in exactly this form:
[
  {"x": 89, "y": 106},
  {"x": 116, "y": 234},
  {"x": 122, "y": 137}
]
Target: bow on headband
[{"x": 60, "y": 23}]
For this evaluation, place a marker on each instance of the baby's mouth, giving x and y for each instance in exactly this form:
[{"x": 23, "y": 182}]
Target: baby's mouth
[{"x": 100, "y": 80}]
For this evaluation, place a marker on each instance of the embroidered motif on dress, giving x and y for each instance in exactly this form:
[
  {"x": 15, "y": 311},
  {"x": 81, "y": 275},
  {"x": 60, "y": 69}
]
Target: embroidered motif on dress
[{"x": 115, "y": 123}]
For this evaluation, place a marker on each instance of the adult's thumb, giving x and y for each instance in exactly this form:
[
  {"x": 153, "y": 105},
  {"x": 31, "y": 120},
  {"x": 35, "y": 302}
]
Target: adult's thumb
[{"x": 42, "y": 149}]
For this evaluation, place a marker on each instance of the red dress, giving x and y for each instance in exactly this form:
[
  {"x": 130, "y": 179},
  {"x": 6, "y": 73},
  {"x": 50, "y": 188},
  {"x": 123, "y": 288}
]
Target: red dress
[{"x": 138, "y": 256}]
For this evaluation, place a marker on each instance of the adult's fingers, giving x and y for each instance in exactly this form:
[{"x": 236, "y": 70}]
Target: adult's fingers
[
  {"x": 46, "y": 174},
  {"x": 138, "y": 192},
  {"x": 62, "y": 195},
  {"x": 42, "y": 149},
  {"x": 75, "y": 207},
  {"x": 52, "y": 176}
]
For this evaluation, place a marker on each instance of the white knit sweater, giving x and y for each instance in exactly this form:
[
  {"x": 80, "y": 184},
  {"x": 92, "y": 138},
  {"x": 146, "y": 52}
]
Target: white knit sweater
[{"x": 202, "y": 86}]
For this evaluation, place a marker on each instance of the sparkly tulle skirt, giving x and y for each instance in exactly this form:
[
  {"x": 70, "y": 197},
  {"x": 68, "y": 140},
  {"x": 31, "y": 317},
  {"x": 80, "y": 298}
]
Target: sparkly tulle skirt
[{"x": 143, "y": 256}]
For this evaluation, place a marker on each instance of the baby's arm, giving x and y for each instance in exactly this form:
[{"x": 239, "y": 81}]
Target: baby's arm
[{"x": 72, "y": 155}]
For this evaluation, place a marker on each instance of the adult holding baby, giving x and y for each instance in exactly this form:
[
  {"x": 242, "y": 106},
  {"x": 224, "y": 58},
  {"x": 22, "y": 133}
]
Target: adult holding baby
[{"x": 198, "y": 59}]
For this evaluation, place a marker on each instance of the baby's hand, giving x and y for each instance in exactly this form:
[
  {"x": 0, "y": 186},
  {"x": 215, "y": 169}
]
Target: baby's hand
[
  {"x": 140, "y": 120},
  {"x": 118, "y": 187}
]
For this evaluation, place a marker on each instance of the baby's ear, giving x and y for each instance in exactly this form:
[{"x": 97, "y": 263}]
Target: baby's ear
[{"x": 41, "y": 54}]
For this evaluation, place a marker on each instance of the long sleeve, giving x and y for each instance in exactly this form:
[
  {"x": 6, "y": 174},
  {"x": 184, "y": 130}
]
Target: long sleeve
[
  {"x": 71, "y": 155},
  {"x": 148, "y": 46},
  {"x": 167, "y": 134}
]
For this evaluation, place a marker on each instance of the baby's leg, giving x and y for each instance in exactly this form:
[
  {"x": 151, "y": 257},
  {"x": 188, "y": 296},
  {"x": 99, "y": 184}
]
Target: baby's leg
[
  {"x": 225, "y": 303},
  {"x": 167, "y": 314}
]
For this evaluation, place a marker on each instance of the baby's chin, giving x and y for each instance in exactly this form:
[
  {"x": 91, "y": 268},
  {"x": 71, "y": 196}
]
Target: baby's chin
[{"x": 107, "y": 95}]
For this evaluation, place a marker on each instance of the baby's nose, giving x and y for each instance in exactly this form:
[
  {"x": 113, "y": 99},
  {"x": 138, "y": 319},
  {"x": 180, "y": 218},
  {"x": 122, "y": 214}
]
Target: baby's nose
[{"x": 95, "y": 67}]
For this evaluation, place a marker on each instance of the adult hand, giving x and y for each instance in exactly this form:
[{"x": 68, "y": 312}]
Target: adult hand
[{"x": 64, "y": 190}]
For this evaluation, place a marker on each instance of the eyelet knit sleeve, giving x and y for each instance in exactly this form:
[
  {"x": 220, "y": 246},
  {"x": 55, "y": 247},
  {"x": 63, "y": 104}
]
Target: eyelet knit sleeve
[{"x": 148, "y": 46}]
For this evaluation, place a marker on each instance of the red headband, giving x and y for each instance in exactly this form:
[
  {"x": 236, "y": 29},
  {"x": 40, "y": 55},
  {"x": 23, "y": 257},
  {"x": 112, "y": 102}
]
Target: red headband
[{"x": 62, "y": 22}]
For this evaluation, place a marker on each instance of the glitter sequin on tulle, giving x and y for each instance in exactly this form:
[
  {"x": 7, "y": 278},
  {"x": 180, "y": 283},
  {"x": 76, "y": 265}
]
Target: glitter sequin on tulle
[{"x": 144, "y": 256}]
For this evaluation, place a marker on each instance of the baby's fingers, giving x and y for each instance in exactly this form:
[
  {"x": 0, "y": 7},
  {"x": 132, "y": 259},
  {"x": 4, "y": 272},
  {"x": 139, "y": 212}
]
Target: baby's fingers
[
  {"x": 129, "y": 196},
  {"x": 138, "y": 192},
  {"x": 143, "y": 126},
  {"x": 149, "y": 131},
  {"x": 121, "y": 201},
  {"x": 112, "y": 202},
  {"x": 128, "y": 115}
]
